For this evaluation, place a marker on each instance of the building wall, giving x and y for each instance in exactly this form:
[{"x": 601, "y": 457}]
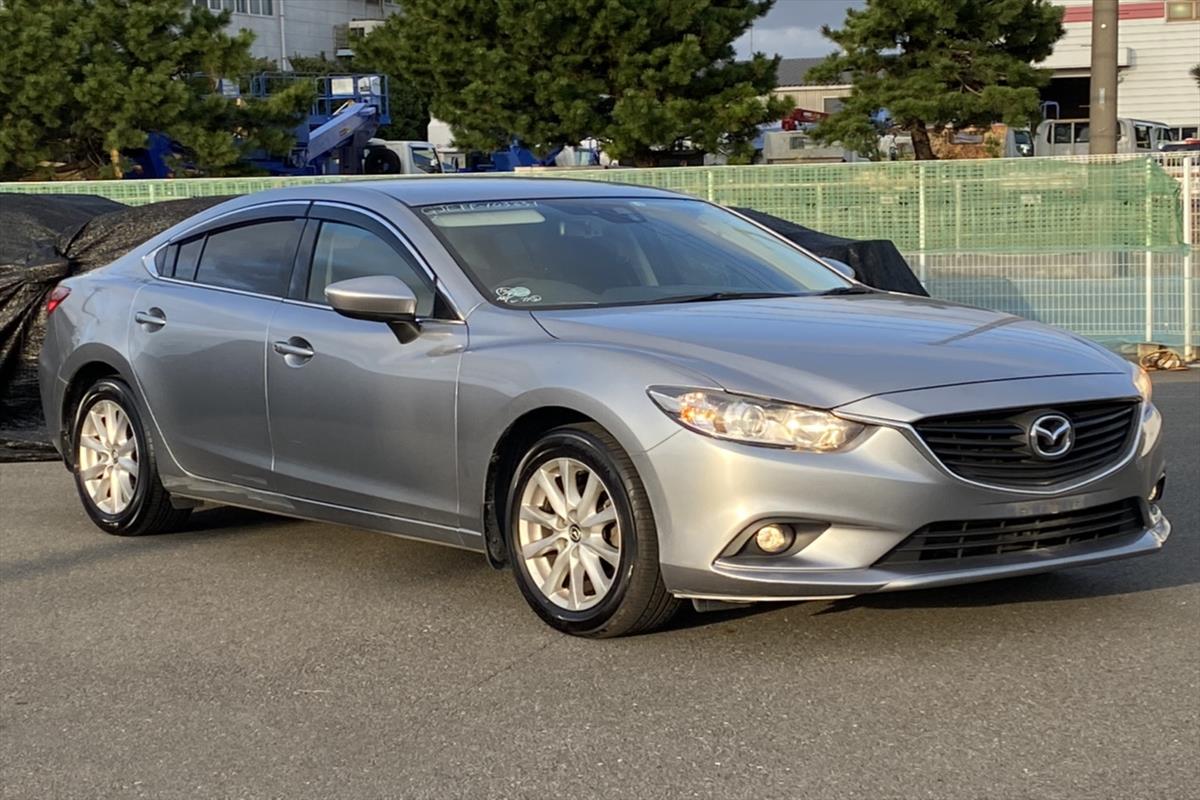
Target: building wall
[
  {"x": 1154, "y": 56},
  {"x": 307, "y": 25},
  {"x": 812, "y": 97}
]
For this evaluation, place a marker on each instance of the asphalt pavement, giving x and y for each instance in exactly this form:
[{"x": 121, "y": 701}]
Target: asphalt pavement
[{"x": 254, "y": 656}]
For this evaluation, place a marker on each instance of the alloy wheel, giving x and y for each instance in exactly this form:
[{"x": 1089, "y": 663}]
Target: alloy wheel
[
  {"x": 107, "y": 457},
  {"x": 568, "y": 534}
]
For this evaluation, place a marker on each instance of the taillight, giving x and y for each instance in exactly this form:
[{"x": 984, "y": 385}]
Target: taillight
[{"x": 57, "y": 295}]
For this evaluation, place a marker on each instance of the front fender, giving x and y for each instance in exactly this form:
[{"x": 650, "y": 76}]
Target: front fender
[{"x": 604, "y": 383}]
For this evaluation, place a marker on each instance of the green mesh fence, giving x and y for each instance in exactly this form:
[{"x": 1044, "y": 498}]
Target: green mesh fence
[
  {"x": 141, "y": 192},
  {"x": 991, "y": 205},
  {"x": 1091, "y": 244},
  {"x": 995, "y": 205}
]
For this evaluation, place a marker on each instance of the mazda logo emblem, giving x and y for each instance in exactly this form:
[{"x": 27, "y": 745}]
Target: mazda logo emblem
[{"x": 1051, "y": 436}]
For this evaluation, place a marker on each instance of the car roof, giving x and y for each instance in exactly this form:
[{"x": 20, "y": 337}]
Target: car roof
[
  {"x": 472, "y": 188},
  {"x": 418, "y": 191}
]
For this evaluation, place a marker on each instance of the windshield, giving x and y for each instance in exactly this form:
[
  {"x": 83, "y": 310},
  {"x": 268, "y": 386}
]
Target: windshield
[
  {"x": 425, "y": 159},
  {"x": 620, "y": 251}
]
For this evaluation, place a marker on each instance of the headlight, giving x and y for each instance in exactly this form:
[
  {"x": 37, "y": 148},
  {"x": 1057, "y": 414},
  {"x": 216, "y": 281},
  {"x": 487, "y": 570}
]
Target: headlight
[
  {"x": 753, "y": 420},
  {"x": 1141, "y": 380}
]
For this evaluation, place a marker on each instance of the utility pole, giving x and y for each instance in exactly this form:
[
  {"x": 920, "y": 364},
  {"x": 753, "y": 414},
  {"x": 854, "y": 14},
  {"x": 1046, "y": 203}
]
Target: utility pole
[{"x": 1102, "y": 116}]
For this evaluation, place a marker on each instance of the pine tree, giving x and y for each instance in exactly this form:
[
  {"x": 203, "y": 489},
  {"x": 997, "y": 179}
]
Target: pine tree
[
  {"x": 937, "y": 62},
  {"x": 638, "y": 75},
  {"x": 86, "y": 79}
]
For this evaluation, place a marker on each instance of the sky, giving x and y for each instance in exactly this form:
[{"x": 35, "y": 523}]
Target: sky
[{"x": 793, "y": 28}]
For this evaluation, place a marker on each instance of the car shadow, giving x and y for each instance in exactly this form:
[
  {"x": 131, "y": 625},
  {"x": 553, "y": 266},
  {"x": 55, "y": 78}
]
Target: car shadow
[
  {"x": 217, "y": 518},
  {"x": 689, "y": 618},
  {"x": 1079, "y": 583},
  {"x": 202, "y": 525}
]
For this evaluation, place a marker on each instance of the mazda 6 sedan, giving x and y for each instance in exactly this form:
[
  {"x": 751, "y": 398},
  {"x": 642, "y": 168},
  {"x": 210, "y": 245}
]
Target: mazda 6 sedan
[{"x": 628, "y": 397}]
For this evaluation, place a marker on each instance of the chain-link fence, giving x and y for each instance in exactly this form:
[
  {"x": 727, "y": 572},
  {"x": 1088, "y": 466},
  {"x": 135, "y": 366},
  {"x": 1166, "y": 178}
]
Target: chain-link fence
[
  {"x": 1001, "y": 205},
  {"x": 1114, "y": 296},
  {"x": 141, "y": 192},
  {"x": 1099, "y": 245}
]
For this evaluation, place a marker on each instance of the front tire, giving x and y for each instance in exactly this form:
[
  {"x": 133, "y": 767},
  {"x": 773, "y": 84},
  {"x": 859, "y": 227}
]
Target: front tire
[
  {"x": 114, "y": 467},
  {"x": 581, "y": 537}
]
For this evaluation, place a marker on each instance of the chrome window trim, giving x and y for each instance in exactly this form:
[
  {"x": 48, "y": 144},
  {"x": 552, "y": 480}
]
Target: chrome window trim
[
  {"x": 148, "y": 261},
  {"x": 148, "y": 258},
  {"x": 910, "y": 432},
  {"x": 150, "y": 267},
  {"x": 227, "y": 289},
  {"x": 291, "y": 301}
]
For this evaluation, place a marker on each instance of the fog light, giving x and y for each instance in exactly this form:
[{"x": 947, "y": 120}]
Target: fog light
[
  {"x": 774, "y": 538},
  {"x": 1157, "y": 492}
]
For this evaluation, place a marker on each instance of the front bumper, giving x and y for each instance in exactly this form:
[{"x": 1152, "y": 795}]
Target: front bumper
[
  {"x": 872, "y": 496},
  {"x": 725, "y": 582}
]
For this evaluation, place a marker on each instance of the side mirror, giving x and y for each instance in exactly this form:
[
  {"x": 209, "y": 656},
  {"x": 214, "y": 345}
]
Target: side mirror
[
  {"x": 377, "y": 298},
  {"x": 380, "y": 298},
  {"x": 841, "y": 267}
]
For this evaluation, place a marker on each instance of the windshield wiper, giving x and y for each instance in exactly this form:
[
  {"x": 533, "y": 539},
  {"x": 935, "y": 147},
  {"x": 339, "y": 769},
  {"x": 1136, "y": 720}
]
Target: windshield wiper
[
  {"x": 709, "y": 296},
  {"x": 845, "y": 290}
]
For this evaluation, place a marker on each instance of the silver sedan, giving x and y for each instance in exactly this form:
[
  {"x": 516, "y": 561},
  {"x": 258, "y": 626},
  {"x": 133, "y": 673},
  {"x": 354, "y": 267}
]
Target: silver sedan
[{"x": 626, "y": 396}]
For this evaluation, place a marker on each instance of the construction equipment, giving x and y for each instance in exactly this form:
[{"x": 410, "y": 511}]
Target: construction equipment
[
  {"x": 798, "y": 147},
  {"x": 799, "y": 119},
  {"x": 332, "y": 139},
  {"x": 345, "y": 115}
]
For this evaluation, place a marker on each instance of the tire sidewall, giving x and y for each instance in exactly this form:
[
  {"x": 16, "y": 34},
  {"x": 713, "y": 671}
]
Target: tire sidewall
[
  {"x": 592, "y": 452},
  {"x": 117, "y": 392}
]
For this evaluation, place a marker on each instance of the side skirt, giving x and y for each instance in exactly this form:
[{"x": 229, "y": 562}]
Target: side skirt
[{"x": 228, "y": 494}]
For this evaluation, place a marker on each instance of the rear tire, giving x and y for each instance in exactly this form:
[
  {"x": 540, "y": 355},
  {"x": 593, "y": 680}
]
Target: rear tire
[
  {"x": 591, "y": 571},
  {"x": 114, "y": 467}
]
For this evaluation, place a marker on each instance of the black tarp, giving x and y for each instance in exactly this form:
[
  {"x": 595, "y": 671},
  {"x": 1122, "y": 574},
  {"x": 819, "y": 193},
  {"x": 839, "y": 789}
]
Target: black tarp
[
  {"x": 876, "y": 262},
  {"x": 43, "y": 239}
]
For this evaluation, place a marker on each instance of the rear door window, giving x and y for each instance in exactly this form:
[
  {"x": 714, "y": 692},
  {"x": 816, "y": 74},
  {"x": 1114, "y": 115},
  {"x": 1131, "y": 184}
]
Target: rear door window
[
  {"x": 1061, "y": 133},
  {"x": 252, "y": 258}
]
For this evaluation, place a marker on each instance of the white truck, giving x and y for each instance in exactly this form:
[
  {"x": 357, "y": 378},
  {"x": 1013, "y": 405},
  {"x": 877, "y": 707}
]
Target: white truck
[
  {"x": 797, "y": 147},
  {"x": 400, "y": 157}
]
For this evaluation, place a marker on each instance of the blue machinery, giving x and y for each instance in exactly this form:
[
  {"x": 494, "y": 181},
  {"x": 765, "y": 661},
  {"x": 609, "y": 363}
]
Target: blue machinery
[{"x": 346, "y": 113}]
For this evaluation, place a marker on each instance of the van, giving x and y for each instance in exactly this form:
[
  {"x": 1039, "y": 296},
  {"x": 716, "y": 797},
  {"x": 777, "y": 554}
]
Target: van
[{"x": 1070, "y": 137}]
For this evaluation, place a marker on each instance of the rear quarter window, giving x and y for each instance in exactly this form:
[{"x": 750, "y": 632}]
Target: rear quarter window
[{"x": 187, "y": 256}]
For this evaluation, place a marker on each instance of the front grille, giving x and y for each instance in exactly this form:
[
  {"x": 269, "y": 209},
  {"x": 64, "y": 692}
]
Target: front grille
[
  {"x": 993, "y": 446},
  {"x": 961, "y": 540}
]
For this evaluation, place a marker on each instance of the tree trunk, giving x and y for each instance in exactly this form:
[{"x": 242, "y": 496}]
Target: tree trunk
[{"x": 922, "y": 149}]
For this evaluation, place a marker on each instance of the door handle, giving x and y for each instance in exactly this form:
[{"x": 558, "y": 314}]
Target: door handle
[
  {"x": 152, "y": 319},
  {"x": 295, "y": 351}
]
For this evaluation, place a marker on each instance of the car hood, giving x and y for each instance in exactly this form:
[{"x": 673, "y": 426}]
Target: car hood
[{"x": 826, "y": 351}]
